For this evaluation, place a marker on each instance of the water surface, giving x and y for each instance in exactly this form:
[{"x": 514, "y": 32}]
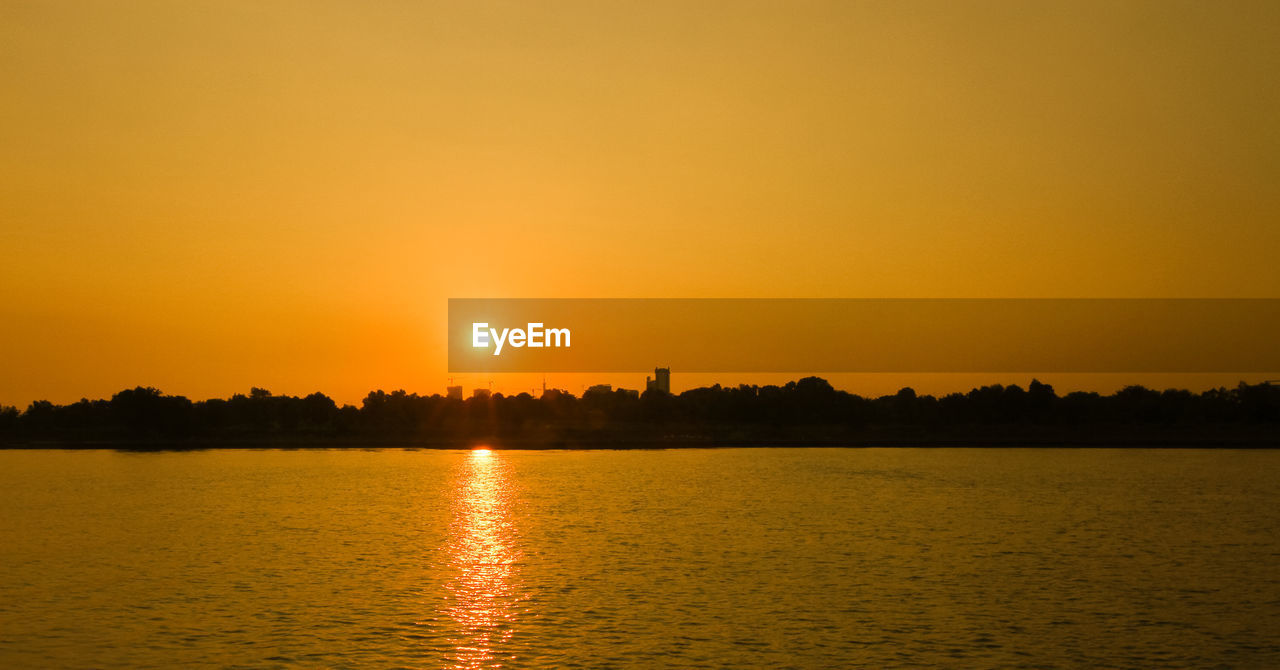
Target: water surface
[{"x": 806, "y": 558}]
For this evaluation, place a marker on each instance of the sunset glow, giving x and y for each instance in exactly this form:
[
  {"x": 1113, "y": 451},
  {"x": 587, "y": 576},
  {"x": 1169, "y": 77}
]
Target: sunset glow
[
  {"x": 665, "y": 334},
  {"x": 204, "y": 197}
]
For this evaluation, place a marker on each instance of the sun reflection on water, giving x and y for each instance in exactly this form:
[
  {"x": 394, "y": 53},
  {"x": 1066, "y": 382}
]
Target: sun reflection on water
[{"x": 484, "y": 595}]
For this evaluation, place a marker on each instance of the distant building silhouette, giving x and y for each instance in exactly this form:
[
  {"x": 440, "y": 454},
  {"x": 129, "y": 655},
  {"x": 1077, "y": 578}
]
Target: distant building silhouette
[
  {"x": 600, "y": 388},
  {"x": 661, "y": 380},
  {"x": 454, "y": 392},
  {"x": 480, "y": 394}
]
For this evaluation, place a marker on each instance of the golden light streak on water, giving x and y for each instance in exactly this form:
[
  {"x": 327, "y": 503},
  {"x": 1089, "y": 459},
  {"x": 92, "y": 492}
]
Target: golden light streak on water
[{"x": 485, "y": 593}]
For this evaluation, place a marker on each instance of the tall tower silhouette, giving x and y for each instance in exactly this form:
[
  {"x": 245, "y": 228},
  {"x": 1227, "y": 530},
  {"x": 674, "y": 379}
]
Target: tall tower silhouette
[{"x": 661, "y": 380}]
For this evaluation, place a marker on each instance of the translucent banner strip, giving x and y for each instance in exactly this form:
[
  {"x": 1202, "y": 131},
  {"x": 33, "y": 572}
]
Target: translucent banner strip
[{"x": 864, "y": 335}]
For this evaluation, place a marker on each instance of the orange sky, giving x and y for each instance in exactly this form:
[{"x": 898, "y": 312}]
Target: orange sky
[{"x": 209, "y": 196}]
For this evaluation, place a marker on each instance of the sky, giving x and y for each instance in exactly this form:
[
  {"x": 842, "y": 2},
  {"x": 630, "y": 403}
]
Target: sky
[{"x": 208, "y": 196}]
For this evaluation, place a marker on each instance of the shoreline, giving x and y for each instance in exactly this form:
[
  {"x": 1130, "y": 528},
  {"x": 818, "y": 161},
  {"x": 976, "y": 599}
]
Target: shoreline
[{"x": 1101, "y": 442}]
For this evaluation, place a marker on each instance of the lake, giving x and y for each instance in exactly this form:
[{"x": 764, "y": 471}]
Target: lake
[{"x": 805, "y": 558}]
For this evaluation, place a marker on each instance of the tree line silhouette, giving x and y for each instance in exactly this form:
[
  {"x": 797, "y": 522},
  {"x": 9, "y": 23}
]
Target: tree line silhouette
[{"x": 805, "y": 411}]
